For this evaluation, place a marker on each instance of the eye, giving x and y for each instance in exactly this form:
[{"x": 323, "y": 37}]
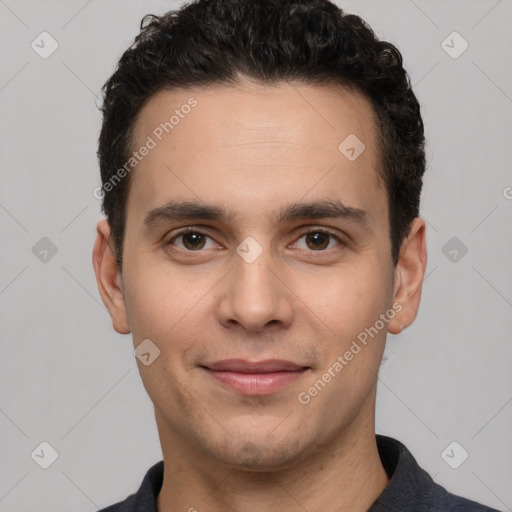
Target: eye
[
  {"x": 191, "y": 240},
  {"x": 319, "y": 240}
]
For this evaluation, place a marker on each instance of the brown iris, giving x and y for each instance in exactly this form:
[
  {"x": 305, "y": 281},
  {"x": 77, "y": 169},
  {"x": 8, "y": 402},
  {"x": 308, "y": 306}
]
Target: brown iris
[
  {"x": 193, "y": 240},
  {"x": 320, "y": 240}
]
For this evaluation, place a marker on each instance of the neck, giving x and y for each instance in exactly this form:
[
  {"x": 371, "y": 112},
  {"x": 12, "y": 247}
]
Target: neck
[{"x": 346, "y": 475}]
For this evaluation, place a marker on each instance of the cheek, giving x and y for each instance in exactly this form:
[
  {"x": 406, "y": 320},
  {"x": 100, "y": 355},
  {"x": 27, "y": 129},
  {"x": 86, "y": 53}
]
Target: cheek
[
  {"x": 160, "y": 299},
  {"x": 348, "y": 300}
]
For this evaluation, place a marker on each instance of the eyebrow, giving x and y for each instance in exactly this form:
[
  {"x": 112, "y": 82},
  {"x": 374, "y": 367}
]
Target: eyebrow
[{"x": 191, "y": 210}]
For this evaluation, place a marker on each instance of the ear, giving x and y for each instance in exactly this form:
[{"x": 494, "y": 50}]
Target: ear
[
  {"x": 109, "y": 278},
  {"x": 409, "y": 275}
]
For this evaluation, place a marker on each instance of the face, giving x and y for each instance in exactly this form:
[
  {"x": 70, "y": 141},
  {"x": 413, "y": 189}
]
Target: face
[{"x": 256, "y": 253}]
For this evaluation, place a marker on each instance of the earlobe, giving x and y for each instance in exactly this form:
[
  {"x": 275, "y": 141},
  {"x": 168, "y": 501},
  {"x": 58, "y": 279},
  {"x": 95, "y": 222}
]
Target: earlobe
[
  {"x": 409, "y": 275},
  {"x": 109, "y": 278}
]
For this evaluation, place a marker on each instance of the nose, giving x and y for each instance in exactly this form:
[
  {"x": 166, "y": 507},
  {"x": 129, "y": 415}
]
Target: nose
[{"x": 255, "y": 295}]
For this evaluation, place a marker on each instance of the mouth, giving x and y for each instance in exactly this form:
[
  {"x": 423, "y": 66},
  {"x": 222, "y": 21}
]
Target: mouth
[{"x": 255, "y": 378}]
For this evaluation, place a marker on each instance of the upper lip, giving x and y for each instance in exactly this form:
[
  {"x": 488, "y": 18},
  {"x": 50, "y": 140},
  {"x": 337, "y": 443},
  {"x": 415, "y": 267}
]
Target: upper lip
[{"x": 243, "y": 366}]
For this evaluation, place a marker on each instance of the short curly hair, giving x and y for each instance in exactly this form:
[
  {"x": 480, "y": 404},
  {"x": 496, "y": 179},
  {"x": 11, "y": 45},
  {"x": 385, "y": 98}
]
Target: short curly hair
[{"x": 313, "y": 42}]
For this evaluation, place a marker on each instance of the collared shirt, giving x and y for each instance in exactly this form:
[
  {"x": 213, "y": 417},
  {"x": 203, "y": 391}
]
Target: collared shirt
[{"x": 410, "y": 488}]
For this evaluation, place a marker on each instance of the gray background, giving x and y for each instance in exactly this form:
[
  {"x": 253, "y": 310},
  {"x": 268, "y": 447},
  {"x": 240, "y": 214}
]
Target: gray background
[{"x": 68, "y": 379}]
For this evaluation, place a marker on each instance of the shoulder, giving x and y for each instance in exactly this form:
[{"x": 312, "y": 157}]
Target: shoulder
[
  {"x": 444, "y": 500},
  {"x": 126, "y": 505},
  {"x": 411, "y": 488},
  {"x": 144, "y": 500}
]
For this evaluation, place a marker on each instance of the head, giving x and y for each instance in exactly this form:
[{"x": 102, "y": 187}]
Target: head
[{"x": 286, "y": 139}]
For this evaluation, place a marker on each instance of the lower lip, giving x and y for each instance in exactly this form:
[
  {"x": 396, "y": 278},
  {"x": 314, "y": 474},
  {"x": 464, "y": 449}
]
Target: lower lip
[{"x": 256, "y": 383}]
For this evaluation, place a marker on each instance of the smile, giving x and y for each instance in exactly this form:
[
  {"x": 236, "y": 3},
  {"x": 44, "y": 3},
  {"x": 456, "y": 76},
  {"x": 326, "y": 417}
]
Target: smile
[{"x": 255, "y": 378}]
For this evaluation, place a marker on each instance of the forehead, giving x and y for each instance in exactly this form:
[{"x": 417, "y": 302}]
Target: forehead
[
  {"x": 250, "y": 143},
  {"x": 248, "y": 111}
]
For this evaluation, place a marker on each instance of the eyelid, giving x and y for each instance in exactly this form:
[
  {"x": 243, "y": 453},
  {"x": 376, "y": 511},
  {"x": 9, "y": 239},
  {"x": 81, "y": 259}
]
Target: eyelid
[
  {"x": 190, "y": 229},
  {"x": 327, "y": 231},
  {"x": 320, "y": 229}
]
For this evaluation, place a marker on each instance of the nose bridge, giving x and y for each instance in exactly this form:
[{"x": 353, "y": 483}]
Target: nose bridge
[{"x": 253, "y": 295}]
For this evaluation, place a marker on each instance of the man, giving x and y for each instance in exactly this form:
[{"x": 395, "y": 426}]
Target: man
[{"x": 262, "y": 167}]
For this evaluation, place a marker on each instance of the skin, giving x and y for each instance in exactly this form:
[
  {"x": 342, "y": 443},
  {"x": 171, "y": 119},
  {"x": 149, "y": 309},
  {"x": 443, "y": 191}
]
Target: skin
[{"x": 254, "y": 150}]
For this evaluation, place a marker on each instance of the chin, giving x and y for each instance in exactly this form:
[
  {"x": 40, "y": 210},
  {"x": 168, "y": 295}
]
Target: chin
[{"x": 258, "y": 452}]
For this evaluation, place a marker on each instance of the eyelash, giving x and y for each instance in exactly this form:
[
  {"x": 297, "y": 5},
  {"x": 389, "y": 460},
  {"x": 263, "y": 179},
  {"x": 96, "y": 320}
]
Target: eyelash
[{"x": 309, "y": 232}]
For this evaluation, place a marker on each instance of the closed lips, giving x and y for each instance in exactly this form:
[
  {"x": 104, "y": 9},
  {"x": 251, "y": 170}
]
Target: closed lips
[{"x": 243, "y": 366}]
